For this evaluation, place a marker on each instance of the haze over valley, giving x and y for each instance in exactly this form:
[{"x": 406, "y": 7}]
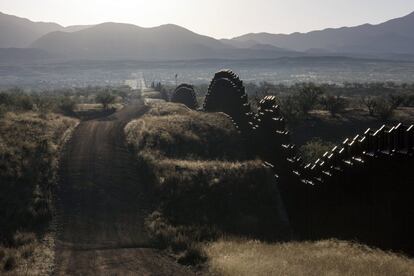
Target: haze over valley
[
  {"x": 171, "y": 42},
  {"x": 49, "y": 55}
]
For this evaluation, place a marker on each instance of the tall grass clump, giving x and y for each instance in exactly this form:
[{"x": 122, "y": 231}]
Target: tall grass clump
[{"x": 328, "y": 257}]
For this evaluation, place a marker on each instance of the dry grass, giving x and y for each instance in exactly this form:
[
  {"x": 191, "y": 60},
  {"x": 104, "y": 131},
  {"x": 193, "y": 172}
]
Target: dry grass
[
  {"x": 329, "y": 257},
  {"x": 28, "y": 256},
  {"x": 175, "y": 131},
  {"x": 30, "y": 144},
  {"x": 202, "y": 176}
]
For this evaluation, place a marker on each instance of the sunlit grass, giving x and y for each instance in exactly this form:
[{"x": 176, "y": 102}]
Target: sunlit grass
[{"x": 328, "y": 257}]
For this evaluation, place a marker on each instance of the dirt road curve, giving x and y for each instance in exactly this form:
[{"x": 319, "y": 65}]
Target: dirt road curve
[{"x": 102, "y": 204}]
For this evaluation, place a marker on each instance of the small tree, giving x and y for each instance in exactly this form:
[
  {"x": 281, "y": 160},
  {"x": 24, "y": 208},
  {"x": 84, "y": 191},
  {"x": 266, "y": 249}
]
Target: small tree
[
  {"x": 370, "y": 103},
  {"x": 67, "y": 106},
  {"x": 308, "y": 98},
  {"x": 334, "y": 104},
  {"x": 384, "y": 109},
  {"x": 105, "y": 98},
  {"x": 396, "y": 101}
]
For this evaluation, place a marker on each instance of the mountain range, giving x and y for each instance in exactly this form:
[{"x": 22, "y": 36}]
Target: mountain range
[
  {"x": 16, "y": 32},
  {"x": 393, "y": 36},
  {"x": 171, "y": 42}
]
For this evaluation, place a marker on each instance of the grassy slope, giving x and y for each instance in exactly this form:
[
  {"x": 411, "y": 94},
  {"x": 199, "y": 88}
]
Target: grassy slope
[
  {"x": 329, "y": 257},
  {"x": 180, "y": 149},
  {"x": 29, "y": 152},
  {"x": 199, "y": 168}
]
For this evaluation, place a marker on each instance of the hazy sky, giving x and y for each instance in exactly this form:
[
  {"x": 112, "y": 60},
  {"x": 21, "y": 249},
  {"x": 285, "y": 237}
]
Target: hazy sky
[{"x": 217, "y": 18}]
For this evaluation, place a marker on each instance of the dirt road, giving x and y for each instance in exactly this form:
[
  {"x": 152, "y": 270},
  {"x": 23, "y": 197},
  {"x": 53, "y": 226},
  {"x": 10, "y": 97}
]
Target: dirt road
[{"x": 102, "y": 205}]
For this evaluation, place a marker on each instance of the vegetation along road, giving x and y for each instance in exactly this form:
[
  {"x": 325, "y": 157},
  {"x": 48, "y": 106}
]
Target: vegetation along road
[{"x": 102, "y": 203}]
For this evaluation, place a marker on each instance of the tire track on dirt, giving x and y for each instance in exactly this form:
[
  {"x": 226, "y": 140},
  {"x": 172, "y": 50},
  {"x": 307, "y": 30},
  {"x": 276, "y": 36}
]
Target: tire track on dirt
[{"x": 102, "y": 205}]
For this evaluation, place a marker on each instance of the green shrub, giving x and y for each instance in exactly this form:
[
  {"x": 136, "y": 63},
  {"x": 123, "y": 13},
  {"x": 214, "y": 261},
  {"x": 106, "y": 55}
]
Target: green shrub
[
  {"x": 314, "y": 149},
  {"x": 334, "y": 104},
  {"x": 308, "y": 97},
  {"x": 105, "y": 98}
]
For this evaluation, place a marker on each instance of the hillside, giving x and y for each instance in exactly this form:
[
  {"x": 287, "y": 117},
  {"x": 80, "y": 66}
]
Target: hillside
[
  {"x": 125, "y": 41},
  {"x": 115, "y": 41},
  {"x": 20, "y": 32},
  {"x": 17, "y": 32},
  {"x": 393, "y": 36}
]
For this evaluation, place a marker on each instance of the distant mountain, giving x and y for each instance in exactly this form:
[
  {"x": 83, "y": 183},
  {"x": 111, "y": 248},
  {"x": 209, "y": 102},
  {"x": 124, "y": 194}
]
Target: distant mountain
[
  {"x": 125, "y": 41},
  {"x": 19, "y": 32},
  {"x": 16, "y": 32},
  {"x": 395, "y": 36},
  {"x": 393, "y": 39}
]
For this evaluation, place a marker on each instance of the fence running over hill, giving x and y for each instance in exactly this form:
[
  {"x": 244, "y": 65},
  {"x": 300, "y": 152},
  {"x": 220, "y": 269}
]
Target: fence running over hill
[{"x": 360, "y": 190}]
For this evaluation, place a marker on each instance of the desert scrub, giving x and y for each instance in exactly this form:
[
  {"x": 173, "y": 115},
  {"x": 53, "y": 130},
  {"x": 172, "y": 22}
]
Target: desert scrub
[
  {"x": 29, "y": 151},
  {"x": 200, "y": 171},
  {"x": 174, "y": 131},
  {"x": 26, "y": 256},
  {"x": 328, "y": 257}
]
